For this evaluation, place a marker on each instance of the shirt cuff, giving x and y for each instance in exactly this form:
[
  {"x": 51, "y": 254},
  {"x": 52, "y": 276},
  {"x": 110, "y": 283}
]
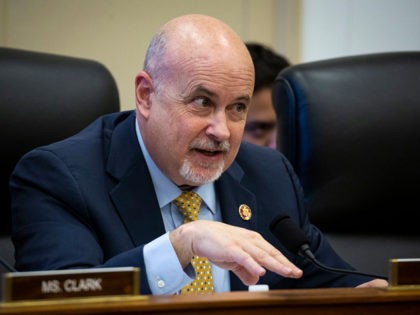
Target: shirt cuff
[{"x": 164, "y": 272}]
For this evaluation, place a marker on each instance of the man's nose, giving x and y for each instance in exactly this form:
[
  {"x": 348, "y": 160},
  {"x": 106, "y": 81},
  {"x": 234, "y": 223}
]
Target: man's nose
[{"x": 218, "y": 128}]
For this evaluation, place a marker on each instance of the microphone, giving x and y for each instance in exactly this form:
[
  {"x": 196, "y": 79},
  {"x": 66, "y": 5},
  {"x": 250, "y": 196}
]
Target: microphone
[{"x": 286, "y": 231}]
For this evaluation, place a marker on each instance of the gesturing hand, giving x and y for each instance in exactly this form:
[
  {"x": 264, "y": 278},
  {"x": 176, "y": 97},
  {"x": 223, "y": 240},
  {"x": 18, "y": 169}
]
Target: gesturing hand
[{"x": 244, "y": 252}]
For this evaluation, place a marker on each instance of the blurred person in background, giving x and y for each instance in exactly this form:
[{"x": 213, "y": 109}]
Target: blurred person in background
[{"x": 261, "y": 122}]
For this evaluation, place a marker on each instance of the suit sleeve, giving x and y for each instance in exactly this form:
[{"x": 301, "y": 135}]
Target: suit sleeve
[{"x": 52, "y": 224}]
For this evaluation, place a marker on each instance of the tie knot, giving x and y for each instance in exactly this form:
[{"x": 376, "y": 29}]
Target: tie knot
[{"x": 189, "y": 204}]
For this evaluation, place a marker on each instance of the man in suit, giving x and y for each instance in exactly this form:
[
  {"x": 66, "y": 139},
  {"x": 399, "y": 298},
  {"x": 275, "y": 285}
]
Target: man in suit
[{"x": 105, "y": 197}]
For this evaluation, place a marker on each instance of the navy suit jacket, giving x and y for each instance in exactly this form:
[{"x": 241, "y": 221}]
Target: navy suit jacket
[{"x": 88, "y": 201}]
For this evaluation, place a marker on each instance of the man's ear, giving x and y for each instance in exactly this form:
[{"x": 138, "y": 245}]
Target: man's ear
[{"x": 144, "y": 90}]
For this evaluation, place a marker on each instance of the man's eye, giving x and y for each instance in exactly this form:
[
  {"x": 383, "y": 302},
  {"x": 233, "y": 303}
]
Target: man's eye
[
  {"x": 240, "y": 107},
  {"x": 238, "y": 111},
  {"x": 202, "y": 101}
]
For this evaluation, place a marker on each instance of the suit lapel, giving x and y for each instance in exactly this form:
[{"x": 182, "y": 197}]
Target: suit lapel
[
  {"x": 231, "y": 195},
  {"x": 133, "y": 195}
]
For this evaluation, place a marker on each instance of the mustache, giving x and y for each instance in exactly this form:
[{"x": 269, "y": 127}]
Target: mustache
[{"x": 210, "y": 145}]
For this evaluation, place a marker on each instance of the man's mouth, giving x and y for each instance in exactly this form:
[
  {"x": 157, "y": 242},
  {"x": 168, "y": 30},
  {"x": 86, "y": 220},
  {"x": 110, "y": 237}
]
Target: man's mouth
[{"x": 208, "y": 153}]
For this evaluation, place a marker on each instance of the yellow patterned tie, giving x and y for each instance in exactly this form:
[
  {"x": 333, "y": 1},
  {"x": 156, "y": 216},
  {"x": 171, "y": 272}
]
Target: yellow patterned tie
[{"x": 189, "y": 204}]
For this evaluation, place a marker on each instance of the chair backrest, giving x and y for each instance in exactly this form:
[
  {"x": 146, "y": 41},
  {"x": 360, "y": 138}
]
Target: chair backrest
[
  {"x": 351, "y": 128},
  {"x": 45, "y": 98}
]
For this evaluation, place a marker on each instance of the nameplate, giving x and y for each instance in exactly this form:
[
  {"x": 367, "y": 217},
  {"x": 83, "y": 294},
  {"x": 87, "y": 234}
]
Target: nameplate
[
  {"x": 74, "y": 283},
  {"x": 404, "y": 273}
]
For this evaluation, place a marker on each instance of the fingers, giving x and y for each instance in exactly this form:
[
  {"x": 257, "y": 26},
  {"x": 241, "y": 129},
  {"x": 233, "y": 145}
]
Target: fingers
[
  {"x": 245, "y": 262},
  {"x": 244, "y": 252},
  {"x": 266, "y": 255},
  {"x": 246, "y": 277},
  {"x": 249, "y": 263}
]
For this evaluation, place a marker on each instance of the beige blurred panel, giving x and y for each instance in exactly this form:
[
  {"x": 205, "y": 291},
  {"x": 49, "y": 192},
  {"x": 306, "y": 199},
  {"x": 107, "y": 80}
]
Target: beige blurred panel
[
  {"x": 3, "y": 21},
  {"x": 116, "y": 32},
  {"x": 275, "y": 23},
  {"x": 288, "y": 27},
  {"x": 259, "y": 21}
]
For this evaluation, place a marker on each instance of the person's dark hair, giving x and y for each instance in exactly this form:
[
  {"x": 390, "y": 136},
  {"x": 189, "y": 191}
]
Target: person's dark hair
[{"x": 267, "y": 64}]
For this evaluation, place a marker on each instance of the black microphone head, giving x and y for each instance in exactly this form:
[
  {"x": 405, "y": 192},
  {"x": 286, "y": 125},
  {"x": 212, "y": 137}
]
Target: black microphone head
[{"x": 287, "y": 232}]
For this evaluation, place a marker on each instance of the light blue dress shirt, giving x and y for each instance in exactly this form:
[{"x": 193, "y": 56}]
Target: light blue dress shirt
[{"x": 164, "y": 272}]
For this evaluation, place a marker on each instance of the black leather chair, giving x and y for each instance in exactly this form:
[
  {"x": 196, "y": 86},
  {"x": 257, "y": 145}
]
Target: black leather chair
[
  {"x": 44, "y": 98},
  {"x": 351, "y": 128}
]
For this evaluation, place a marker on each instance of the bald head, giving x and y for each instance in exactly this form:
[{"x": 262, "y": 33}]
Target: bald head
[
  {"x": 200, "y": 32},
  {"x": 195, "y": 38}
]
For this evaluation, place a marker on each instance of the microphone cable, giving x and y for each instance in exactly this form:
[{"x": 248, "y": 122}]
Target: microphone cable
[{"x": 286, "y": 231}]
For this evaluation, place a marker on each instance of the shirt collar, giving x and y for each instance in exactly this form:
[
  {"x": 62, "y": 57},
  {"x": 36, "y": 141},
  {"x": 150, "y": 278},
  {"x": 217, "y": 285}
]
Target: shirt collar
[{"x": 166, "y": 190}]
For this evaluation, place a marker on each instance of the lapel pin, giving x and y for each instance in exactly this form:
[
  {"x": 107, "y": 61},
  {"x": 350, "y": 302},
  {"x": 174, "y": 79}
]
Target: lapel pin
[{"x": 245, "y": 212}]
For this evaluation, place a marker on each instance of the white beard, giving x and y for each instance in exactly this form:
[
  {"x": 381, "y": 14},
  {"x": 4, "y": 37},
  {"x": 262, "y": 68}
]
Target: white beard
[
  {"x": 209, "y": 175},
  {"x": 204, "y": 173}
]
